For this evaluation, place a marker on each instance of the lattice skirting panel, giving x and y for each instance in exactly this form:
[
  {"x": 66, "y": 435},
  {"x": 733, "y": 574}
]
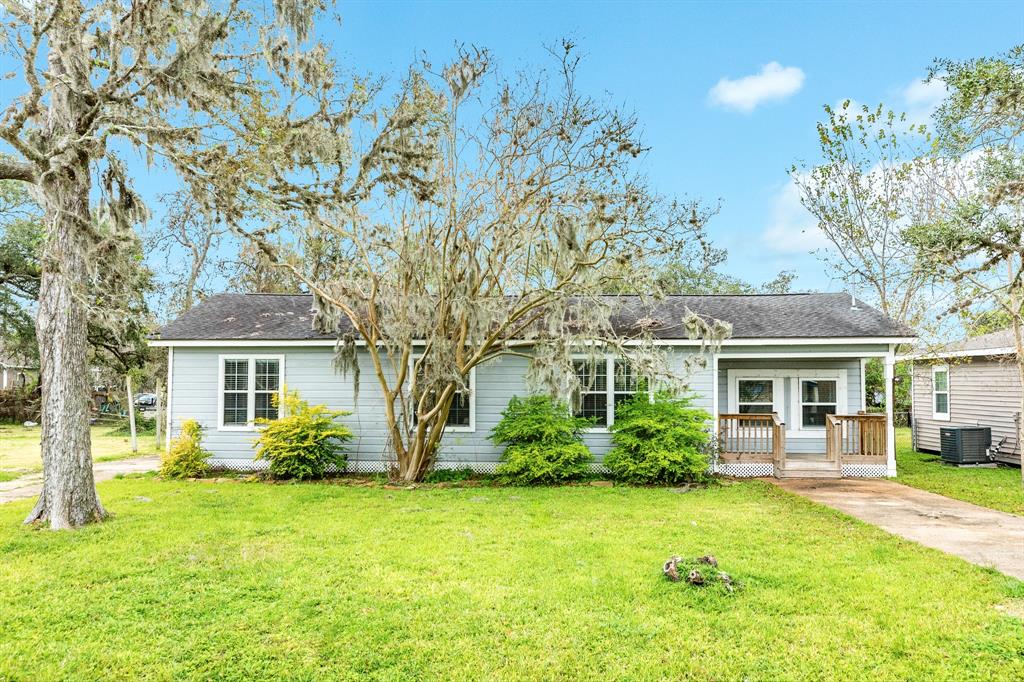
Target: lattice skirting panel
[
  {"x": 353, "y": 466},
  {"x": 745, "y": 469},
  {"x": 864, "y": 470},
  {"x": 233, "y": 464}
]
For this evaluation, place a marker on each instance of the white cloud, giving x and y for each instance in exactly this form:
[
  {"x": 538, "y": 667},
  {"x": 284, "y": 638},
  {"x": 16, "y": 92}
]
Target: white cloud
[
  {"x": 774, "y": 82},
  {"x": 791, "y": 228},
  {"x": 921, "y": 99}
]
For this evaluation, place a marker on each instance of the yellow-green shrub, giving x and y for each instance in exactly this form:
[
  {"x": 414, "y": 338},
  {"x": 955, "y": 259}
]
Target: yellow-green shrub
[
  {"x": 186, "y": 457},
  {"x": 304, "y": 441}
]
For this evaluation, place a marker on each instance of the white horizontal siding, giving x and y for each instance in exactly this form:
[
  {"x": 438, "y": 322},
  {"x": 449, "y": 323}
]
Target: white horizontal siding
[{"x": 982, "y": 392}]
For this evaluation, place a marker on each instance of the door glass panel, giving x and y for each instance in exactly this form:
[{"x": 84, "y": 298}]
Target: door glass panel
[
  {"x": 818, "y": 391},
  {"x": 755, "y": 390}
]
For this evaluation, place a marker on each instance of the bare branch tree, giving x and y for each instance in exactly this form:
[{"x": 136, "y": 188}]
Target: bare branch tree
[
  {"x": 190, "y": 231},
  {"x": 865, "y": 194}
]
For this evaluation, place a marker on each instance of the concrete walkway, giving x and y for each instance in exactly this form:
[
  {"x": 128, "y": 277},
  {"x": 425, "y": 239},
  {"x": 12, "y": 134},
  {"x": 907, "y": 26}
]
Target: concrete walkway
[
  {"x": 32, "y": 484},
  {"x": 983, "y": 536}
]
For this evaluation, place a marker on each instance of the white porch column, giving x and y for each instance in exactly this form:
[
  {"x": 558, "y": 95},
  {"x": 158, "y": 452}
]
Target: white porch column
[
  {"x": 890, "y": 426},
  {"x": 714, "y": 389}
]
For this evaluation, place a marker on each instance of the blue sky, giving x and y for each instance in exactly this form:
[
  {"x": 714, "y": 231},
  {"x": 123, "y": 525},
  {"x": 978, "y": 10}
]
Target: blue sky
[
  {"x": 663, "y": 59},
  {"x": 728, "y": 94}
]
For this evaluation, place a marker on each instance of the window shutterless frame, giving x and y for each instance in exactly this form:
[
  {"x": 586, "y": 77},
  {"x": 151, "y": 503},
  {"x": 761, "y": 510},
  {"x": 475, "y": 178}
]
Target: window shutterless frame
[
  {"x": 457, "y": 428},
  {"x": 620, "y": 383},
  {"x": 234, "y": 363},
  {"x": 940, "y": 392}
]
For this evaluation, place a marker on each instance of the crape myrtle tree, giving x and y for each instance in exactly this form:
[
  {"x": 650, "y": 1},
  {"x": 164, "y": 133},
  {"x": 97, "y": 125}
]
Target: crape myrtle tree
[
  {"x": 228, "y": 96},
  {"x": 977, "y": 237},
  {"x": 528, "y": 208}
]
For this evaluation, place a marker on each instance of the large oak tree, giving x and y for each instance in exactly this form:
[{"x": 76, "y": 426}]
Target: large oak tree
[{"x": 200, "y": 88}]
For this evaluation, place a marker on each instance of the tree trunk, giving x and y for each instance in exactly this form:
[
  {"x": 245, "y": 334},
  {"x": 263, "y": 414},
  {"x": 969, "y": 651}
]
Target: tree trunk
[
  {"x": 69, "y": 496},
  {"x": 418, "y": 455}
]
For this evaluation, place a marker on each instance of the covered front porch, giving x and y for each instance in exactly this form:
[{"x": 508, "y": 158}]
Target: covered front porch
[
  {"x": 801, "y": 414},
  {"x": 755, "y": 445}
]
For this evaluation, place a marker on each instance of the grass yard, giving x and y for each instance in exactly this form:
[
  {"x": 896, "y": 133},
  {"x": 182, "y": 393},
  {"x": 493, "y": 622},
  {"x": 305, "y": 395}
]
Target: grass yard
[
  {"x": 994, "y": 488},
  {"x": 19, "y": 448},
  {"x": 236, "y": 580}
]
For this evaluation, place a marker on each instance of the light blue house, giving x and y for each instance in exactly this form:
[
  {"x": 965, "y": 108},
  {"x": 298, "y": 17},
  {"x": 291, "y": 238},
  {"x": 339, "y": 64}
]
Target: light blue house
[{"x": 786, "y": 389}]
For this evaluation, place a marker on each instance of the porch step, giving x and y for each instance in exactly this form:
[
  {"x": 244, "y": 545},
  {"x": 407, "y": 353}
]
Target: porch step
[
  {"x": 791, "y": 463},
  {"x": 807, "y": 468},
  {"x": 807, "y": 473}
]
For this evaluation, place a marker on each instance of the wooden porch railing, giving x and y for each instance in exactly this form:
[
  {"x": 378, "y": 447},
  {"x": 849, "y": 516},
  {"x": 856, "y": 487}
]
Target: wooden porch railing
[
  {"x": 855, "y": 436},
  {"x": 756, "y": 437}
]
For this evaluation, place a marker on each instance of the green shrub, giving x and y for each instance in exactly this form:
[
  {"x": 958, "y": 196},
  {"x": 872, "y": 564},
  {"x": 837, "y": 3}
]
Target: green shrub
[
  {"x": 304, "y": 441},
  {"x": 186, "y": 457},
  {"x": 543, "y": 442},
  {"x": 143, "y": 425},
  {"x": 663, "y": 440}
]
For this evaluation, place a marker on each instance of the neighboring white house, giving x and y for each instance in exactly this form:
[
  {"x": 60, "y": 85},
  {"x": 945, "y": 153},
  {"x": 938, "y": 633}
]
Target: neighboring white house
[
  {"x": 968, "y": 383},
  {"x": 16, "y": 372},
  {"x": 785, "y": 389}
]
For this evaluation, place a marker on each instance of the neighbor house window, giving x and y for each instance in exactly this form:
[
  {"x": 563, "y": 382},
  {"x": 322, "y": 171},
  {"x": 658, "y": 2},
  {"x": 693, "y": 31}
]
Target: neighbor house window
[
  {"x": 818, "y": 397},
  {"x": 755, "y": 396},
  {"x": 940, "y": 392},
  {"x": 598, "y": 395},
  {"x": 247, "y": 389}
]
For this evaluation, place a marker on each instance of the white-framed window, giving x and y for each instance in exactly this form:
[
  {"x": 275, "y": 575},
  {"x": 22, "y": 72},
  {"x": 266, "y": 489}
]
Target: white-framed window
[
  {"x": 462, "y": 412},
  {"x": 604, "y": 383},
  {"x": 818, "y": 397},
  {"x": 246, "y": 387},
  {"x": 593, "y": 377},
  {"x": 940, "y": 392},
  {"x": 755, "y": 396}
]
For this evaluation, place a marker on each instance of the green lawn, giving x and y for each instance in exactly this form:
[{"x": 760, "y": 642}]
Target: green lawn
[
  {"x": 236, "y": 580},
  {"x": 994, "y": 488},
  {"x": 19, "y": 448}
]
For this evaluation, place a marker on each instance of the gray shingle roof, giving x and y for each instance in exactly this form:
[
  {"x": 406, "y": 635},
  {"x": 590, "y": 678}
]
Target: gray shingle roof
[
  {"x": 998, "y": 342},
  {"x": 277, "y": 317}
]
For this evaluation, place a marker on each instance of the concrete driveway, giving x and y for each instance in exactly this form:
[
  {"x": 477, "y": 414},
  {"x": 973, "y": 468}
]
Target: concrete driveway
[
  {"x": 982, "y": 536},
  {"x": 32, "y": 484}
]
